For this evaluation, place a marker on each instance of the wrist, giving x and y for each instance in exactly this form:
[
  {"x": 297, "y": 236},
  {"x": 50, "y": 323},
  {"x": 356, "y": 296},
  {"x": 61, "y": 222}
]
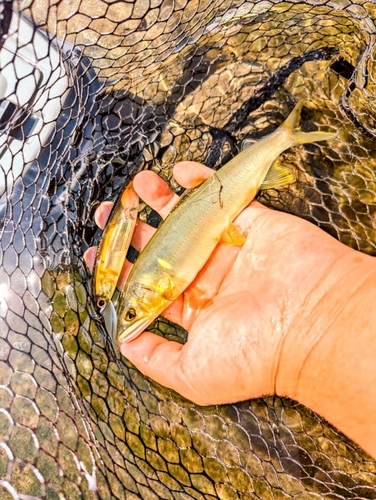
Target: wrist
[{"x": 333, "y": 372}]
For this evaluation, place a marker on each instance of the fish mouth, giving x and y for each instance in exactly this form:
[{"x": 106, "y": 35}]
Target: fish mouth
[
  {"x": 131, "y": 332},
  {"x": 110, "y": 319}
]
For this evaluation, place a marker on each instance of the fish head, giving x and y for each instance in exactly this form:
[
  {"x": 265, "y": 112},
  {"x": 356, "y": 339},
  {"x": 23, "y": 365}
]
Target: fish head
[{"x": 139, "y": 307}]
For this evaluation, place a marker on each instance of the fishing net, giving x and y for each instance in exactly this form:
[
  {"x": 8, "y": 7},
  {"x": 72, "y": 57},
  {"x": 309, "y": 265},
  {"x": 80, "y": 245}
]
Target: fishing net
[{"x": 92, "y": 91}]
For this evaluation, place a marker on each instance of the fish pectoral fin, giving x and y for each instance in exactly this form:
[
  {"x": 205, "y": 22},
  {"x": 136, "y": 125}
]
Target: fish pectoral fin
[
  {"x": 278, "y": 176},
  {"x": 232, "y": 236},
  {"x": 172, "y": 287}
]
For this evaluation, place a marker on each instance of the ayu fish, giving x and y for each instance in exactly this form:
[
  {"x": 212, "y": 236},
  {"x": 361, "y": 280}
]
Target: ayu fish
[
  {"x": 113, "y": 246},
  {"x": 187, "y": 237}
]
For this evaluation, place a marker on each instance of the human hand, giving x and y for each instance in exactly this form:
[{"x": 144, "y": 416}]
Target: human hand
[
  {"x": 253, "y": 313},
  {"x": 288, "y": 313}
]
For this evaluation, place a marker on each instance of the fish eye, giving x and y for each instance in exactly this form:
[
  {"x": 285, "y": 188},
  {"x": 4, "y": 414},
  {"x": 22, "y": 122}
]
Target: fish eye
[
  {"x": 101, "y": 304},
  {"x": 130, "y": 314}
]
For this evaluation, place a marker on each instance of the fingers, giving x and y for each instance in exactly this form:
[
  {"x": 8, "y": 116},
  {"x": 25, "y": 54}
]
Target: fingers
[
  {"x": 160, "y": 360},
  {"x": 155, "y": 192},
  {"x": 200, "y": 370},
  {"x": 142, "y": 235},
  {"x": 102, "y": 213},
  {"x": 89, "y": 257},
  {"x": 190, "y": 174}
]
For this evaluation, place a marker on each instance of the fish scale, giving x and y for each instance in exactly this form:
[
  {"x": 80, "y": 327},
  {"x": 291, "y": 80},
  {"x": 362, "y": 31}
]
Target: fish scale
[{"x": 74, "y": 421}]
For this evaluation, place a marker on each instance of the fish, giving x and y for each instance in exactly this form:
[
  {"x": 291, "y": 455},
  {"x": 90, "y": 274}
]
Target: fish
[
  {"x": 113, "y": 246},
  {"x": 187, "y": 237}
]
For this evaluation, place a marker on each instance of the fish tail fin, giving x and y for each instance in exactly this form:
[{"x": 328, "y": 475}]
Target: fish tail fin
[{"x": 292, "y": 125}]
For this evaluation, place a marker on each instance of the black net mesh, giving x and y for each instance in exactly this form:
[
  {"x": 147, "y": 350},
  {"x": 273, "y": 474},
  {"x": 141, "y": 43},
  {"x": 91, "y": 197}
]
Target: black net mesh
[{"x": 92, "y": 91}]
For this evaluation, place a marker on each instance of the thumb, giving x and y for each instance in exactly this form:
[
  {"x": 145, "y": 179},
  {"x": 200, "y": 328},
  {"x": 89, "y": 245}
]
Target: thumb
[{"x": 161, "y": 360}]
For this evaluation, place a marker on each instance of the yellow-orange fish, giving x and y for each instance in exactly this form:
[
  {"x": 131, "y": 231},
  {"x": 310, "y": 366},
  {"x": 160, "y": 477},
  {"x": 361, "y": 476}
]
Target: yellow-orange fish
[
  {"x": 187, "y": 237},
  {"x": 113, "y": 246}
]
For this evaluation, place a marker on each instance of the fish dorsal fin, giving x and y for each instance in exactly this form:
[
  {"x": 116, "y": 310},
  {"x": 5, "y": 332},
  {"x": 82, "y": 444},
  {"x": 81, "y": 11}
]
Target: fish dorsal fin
[
  {"x": 232, "y": 236},
  {"x": 277, "y": 176}
]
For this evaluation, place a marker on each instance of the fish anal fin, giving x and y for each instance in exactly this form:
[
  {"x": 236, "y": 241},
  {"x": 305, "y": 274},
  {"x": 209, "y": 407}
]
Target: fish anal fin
[
  {"x": 232, "y": 236},
  {"x": 278, "y": 176}
]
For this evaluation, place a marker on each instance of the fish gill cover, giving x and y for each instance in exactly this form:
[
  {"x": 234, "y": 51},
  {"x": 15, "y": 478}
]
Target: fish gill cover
[{"x": 92, "y": 91}]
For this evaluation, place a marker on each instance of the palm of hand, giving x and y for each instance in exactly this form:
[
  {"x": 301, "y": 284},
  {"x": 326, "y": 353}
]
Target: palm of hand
[{"x": 240, "y": 309}]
